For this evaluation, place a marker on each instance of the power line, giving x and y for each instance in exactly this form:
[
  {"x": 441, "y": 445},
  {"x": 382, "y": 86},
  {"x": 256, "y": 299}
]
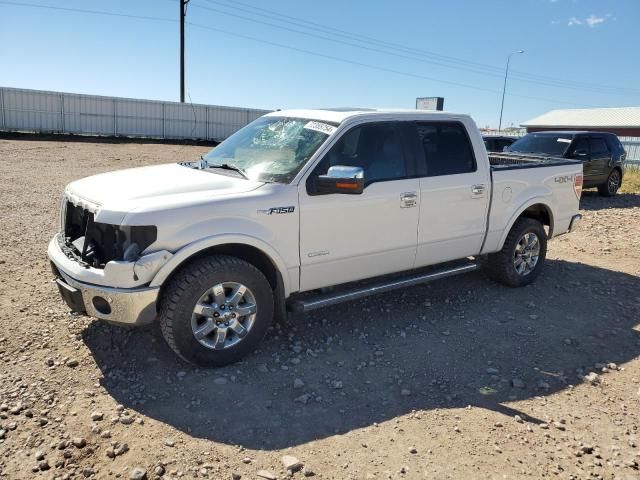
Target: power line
[
  {"x": 374, "y": 67},
  {"x": 346, "y": 34},
  {"x": 342, "y": 42},
  {"x": 272, "y": 14},
  {"x": 92, "y": 12},
  {"x": 547, "y": 81},
  {"x": 434, "y": 58},
  {"x": 300, "y": 50}
]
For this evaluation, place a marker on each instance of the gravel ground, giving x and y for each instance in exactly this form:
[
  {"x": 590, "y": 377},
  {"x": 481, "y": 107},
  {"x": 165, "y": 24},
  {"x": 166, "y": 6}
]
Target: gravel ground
[{"x": 457, "y": 379}]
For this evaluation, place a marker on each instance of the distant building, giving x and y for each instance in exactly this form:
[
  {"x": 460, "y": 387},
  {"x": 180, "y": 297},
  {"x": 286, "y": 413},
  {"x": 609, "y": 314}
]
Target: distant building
[{"x": 624, "y": 121}]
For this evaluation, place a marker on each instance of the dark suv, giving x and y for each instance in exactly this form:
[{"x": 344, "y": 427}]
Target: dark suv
[
  {"x": 601, "y": 154},
  {"x": 495, "y": 143}
]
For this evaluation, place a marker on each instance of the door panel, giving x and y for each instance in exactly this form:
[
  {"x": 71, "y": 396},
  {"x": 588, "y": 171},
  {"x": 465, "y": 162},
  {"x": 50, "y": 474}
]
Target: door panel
[
  {"x": 350, "y": 237},
  {"x": 454, "y": 194},
  {"x": 600, "y": 159},
  {"x": 581, "y": 144},
  {"x": 452, "y": 217}
]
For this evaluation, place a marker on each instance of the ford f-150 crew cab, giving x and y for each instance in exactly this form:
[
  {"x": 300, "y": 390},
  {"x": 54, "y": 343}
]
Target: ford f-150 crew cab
[{"x": 364, "y": 201}]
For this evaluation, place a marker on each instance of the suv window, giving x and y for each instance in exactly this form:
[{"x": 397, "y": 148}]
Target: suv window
[
  {"x": 376, "y": 147},
  {"x": 580, "y": 143},
  {"x": 447, "y": 149},
  {"x": 599, "y": 147}
]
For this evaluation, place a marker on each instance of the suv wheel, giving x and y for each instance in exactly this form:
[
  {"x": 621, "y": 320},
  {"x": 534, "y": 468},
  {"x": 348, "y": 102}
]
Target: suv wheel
[
  {"x": 610, "y": 188},
  {"x": 522, "y": 256},
  {"x": 216, "y": 310}
]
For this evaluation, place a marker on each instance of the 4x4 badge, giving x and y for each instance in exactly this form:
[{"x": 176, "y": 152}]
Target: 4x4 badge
[{"x": 277, "y": 210}]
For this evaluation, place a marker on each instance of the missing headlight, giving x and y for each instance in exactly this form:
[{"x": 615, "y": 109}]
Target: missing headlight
[
  {"x": 104, "y": 242},
  {"x": 95, "y": 244}
]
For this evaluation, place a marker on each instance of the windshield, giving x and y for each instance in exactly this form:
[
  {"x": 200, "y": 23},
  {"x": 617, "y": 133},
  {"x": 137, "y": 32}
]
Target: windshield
[
  {"x": 270, "y": 149},
  {"x": 555, "y": 145}
]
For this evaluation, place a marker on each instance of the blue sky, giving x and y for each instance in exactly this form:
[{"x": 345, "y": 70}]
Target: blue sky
[{"x": 378, "y": 53}]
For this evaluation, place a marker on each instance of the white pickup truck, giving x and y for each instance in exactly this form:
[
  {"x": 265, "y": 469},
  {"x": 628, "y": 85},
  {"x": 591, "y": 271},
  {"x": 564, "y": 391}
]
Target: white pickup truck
[{"x": 297, "y": 201}]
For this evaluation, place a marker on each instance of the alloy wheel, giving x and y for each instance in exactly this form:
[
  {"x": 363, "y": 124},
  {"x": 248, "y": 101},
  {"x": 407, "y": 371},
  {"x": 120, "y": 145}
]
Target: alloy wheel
[
  {"x": 526, "y": 254},
  {"x": 224, "y": 315}
]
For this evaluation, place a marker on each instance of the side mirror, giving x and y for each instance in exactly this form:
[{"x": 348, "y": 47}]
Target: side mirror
[
  {"x": 341, "y": 179},
  {"x": 580, "y": 153}
]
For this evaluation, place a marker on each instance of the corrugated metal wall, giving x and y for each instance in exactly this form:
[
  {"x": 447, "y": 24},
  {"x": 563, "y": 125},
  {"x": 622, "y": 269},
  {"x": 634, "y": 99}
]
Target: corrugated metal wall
[
  {"x": 24, "y": 110},
  {"x": 632, "y": 147}
]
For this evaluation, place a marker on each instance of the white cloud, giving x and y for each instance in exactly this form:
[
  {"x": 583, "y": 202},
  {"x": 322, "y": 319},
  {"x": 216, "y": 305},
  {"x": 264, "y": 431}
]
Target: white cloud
[{"x": 593, "y": 20}]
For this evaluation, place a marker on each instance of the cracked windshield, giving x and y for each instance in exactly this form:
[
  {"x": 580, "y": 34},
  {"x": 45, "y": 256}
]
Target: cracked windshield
[{"x": 271, "y": 149}]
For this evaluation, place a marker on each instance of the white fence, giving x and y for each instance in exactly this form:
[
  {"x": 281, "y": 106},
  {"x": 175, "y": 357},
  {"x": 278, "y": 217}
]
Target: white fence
[
  {"x": 632, "y": 146},
  {"x": 40, "y": 111}
]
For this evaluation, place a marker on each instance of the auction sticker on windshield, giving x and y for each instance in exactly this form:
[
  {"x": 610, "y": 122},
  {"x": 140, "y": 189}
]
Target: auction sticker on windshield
[{"x": 320, "y": 127}]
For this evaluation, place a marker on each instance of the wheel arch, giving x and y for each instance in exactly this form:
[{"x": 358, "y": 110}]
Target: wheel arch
[
  {"x": 536, "y": 209},
  {"x": 620, "y": 171},
  {"x": 249, "y": 249}
]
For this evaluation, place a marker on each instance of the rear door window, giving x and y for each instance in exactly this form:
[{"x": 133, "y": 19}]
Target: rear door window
[{"x": 447, "y": 149}]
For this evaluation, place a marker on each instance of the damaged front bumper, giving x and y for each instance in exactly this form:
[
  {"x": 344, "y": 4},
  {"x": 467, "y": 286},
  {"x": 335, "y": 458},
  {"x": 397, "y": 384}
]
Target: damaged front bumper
[{"x": 118, "y": 293}]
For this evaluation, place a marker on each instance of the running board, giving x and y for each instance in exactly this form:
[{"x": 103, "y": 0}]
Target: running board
[{"x": 320, "y": 301}]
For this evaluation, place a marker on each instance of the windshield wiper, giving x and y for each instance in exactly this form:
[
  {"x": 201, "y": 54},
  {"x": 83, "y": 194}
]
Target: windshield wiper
[{"x": 226, "y": 166}]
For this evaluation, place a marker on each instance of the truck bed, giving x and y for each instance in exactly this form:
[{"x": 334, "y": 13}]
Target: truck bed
[{"x": 510, "y": 161}]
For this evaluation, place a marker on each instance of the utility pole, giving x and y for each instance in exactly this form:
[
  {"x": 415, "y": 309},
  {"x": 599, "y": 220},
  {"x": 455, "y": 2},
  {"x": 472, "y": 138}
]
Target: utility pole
[
  {"x": 504, "y": 88},
  {"x": 183, "y": 12}
]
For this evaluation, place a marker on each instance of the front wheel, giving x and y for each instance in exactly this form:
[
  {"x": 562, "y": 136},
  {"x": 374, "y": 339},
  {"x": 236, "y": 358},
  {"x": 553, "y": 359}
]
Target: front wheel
[
  {"x": 522, "y": 256},
  {"x": 611, "y": 186},
  {"x": 216, "y": 310}
]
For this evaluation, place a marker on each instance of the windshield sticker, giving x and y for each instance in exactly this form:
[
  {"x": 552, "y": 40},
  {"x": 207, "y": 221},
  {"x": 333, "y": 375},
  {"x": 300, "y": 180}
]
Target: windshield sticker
[
  {"x": 320, "y": 127},
  {"x": 564, "y": 140}
]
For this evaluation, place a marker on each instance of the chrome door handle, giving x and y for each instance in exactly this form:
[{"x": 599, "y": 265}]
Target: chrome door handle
[
  {"x": 408, "y": 199},
  {"x": 477, "y": 190}
]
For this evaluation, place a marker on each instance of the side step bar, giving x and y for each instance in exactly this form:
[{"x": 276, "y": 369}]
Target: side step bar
[{"x": 320, "y": 301}]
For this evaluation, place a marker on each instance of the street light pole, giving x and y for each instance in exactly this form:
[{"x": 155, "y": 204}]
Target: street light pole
[{"x": 504, "y": 88}]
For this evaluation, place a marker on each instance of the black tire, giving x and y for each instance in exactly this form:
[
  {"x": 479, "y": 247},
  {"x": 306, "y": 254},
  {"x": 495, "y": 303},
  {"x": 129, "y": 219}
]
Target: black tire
[
  {"x": 500, "y": 265},
  {"x": 611, "y": 186},
  {"x": 188, "y": 286}
]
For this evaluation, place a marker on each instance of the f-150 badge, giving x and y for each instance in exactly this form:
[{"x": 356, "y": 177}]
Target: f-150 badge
[{"x": 277, "y": 210}]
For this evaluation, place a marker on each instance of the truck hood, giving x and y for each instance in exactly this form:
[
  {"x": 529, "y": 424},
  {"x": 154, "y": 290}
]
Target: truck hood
[{"x": 135, "y": 185}]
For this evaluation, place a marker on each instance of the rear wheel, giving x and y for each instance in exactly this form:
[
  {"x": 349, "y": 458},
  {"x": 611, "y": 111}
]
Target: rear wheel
[
  {"x": 522, "y": 256},
  {"x": 216, "y": 310},
  {"x": 611, "y": 186}
]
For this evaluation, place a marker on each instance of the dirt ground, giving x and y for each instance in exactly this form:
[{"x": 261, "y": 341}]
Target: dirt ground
[{"x": 458, "y": 379}]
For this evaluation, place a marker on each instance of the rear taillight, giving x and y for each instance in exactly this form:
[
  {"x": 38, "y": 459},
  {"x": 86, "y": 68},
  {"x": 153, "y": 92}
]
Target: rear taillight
[{"x": 577, "y": 185}]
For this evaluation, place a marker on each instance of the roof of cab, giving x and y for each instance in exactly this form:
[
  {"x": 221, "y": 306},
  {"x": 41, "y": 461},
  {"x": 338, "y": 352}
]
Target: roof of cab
[{"x": 339, "y": 115}]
